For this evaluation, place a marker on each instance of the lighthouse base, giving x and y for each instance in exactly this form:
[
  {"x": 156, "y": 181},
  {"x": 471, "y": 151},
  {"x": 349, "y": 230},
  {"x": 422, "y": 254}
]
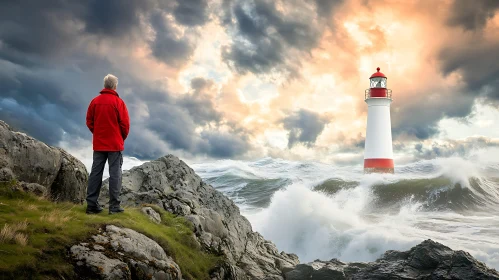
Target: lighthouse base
[
  {"x": 378, "y": 170},
  {"x": 378, "y": 165}
]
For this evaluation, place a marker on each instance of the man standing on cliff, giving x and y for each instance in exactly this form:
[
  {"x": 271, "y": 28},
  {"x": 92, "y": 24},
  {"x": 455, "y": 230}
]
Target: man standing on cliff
[{"x": 108, "y": 120}]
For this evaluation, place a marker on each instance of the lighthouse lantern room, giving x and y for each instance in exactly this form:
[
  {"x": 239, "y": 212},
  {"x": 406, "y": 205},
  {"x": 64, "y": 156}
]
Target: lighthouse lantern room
[{"x": 378, "y": 154}]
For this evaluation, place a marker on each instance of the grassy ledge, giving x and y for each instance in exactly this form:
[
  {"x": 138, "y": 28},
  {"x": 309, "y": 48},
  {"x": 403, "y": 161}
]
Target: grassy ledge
[{"x": 35, "y": 235}]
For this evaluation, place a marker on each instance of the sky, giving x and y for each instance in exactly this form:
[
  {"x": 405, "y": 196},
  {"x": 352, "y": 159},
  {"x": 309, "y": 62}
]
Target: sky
[{"x": 246, "y": 79}]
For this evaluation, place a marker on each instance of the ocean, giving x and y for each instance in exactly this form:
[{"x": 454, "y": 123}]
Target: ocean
[{"x": 322, "y": 211}]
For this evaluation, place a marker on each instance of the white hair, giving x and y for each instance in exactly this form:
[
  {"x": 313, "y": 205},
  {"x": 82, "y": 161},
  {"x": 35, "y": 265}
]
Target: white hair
[{"x": 110, "y": 81}]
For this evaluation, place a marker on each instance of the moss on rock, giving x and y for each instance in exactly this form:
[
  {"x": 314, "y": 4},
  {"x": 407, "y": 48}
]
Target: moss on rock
[{"x": 53, "y": 227}]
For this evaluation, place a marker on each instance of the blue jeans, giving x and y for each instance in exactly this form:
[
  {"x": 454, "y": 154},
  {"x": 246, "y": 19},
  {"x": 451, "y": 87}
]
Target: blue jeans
[{"x": 115, "y": 160}]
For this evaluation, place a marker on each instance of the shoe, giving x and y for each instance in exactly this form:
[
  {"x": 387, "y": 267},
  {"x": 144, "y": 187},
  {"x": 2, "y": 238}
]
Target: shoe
[
  {"x": 93, "y": 210},
  {"x": 116, "y": 211}
]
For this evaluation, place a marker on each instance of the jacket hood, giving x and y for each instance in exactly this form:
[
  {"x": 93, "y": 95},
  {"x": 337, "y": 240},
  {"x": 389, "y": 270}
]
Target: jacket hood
[{"x": 108, "y": 91}]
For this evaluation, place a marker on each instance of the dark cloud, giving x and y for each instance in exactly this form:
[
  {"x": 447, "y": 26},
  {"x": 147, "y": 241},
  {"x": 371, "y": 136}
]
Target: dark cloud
[
  {"x": 143, "y": 145},
  {"x": 114, "y": 18},
  {"x": 199, "y": 84},
  {"x": 474, "y": 61},
  {"x": 29, "y": 121},
  {"x": 49, "y": 104},
  {"x": 472, "y": 15},
  {"x": 472, "y": 56},
  {"x": 419, "y": 147},
  {"x": 173, "y": 125},
  {"x": 173, "y": 120},
  {"x": 304, "y": 127},
  {"x": 32, "y": 30},
  {"x": 43, "y": 103},
  {"x": 48, "y": 77},
  {"x": 38, "y": 30},
  {"x": 449, "y": 148},
  {"x": 167, "y": 46},
  {"x": 199, "y": 102},
  {"x": 326, "y": 7},
  {"x": 419, "y": 129},
  {"x": 224, "y": 145},
  {"x": 266, "y": 38},
  {"x": 418, "y": 115},
  {"x": 191, "y": 12}
]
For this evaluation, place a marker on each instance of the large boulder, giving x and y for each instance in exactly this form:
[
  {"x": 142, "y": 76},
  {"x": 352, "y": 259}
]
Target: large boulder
[
  {"x": 122, "y": 253},
  {"x": 428, "y": 260},
  {"x": 31, "y": 161},
  {"x": 71, "y": 181},
  {"x": 170, "y": 183}
]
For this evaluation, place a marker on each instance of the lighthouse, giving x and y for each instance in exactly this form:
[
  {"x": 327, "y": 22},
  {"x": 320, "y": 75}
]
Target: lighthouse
[{"x": 378, "y": 154}]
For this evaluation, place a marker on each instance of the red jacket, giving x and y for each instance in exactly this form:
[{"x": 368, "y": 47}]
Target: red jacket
[{"x": 108, "y": 120}]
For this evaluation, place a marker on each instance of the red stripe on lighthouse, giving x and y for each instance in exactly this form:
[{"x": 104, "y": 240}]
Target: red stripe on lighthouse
[{"x": 378, "y": 163}]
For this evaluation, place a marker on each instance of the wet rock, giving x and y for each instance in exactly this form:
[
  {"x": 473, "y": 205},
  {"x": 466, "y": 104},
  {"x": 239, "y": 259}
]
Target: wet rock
[
  {"x": 219, "y": 227},
  {"x": 153, "y": 215},
  {"x": 121, "y": 253},
  {"x": 428, "y": 260}
]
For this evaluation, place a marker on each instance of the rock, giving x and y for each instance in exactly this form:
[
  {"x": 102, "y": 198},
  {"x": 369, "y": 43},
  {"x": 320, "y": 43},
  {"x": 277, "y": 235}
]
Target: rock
[
  {"x": 121, "y": 253},
  {"x": 428, "y": 260},
  {"x": 71, "y": 181},
  {"x": 34, "y": 188},
  {"x": 153, "y": 215},
  {"x": 31, "y": 161},
  {"x": 99, "y": 264},
  {"x": 219, "y": 227},
  {"x": 6, "y": 174}
]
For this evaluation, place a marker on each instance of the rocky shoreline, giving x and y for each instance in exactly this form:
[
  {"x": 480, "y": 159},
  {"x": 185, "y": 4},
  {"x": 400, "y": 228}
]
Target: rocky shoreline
[
  {"x": 428, "y": 260},
  {"x": 218, "y": 226}
]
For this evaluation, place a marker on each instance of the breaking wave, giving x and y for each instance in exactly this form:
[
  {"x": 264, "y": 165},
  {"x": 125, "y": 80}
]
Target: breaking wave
[{"x": 320, "y": 211}]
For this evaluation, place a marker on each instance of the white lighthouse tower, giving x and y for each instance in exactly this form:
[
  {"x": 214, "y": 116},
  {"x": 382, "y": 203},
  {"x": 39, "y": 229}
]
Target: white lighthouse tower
[{"x": 378, "y": 154}]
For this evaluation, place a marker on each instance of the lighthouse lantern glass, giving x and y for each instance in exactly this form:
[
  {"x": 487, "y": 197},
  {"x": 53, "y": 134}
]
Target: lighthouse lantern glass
[{"x": 378, "y": 82}]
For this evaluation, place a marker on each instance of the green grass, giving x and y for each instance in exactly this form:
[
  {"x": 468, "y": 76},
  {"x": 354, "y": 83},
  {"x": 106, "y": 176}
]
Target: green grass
[{"x": 53, "y": 227}]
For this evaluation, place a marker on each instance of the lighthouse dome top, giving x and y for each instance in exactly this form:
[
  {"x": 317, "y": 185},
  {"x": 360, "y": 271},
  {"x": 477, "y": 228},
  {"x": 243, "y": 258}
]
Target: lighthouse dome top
[{"x": 378, "y": 74}]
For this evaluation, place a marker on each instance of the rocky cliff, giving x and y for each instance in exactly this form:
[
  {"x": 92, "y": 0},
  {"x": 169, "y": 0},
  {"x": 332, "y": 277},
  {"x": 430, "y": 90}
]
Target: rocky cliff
[
  {"x": 48, "y": 170},
  {"x": 219, "y": 227}
]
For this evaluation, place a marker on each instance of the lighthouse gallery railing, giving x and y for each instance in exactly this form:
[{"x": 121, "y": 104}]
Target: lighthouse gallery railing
[{"x": 367, "y": 94}]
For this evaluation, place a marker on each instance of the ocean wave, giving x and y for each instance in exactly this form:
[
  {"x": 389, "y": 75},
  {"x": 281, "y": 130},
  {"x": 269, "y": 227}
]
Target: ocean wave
[
  {"x": 440, "y": 184},
  {"x": 321, "y": 211},
  {"x": 434, "y": 194}
]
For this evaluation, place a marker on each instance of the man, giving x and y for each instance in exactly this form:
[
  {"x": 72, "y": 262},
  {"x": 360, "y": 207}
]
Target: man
[{"x": 108, "y": 120}]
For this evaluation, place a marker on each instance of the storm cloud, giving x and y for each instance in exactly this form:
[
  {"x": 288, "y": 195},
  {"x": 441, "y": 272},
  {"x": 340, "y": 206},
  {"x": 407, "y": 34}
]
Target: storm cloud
[
  {"x": 48, "y": 75},
  {"x": 191, "y": 12},
  {"x": 268, "y": 40},
  {"x": 472, "y": 15},
  {"x": 168, "y": 46},
  {"x": 472, "y": 54},
  {"x": 454, "y": 148},
  {"x": 304, "y": 127}
]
